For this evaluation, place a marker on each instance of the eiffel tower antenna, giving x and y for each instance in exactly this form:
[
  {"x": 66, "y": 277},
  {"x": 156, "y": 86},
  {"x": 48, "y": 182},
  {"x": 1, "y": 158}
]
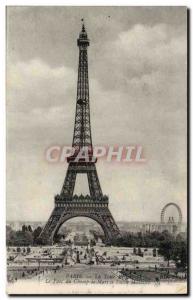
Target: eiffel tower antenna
[
  {"x": 83, "y": 26},
  {"x": 68, "y": 205}
]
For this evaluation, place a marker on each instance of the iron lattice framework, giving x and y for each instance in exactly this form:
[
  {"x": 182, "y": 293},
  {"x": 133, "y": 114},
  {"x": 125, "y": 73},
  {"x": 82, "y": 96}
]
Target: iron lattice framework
[
  {"x": 82, "y": 130},
  {"x": 67, "y": 205}
]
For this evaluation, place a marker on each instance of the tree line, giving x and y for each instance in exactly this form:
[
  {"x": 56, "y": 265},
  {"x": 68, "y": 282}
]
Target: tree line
[
  {"x": 169, "y": 246},
  {"x": 24, "y": 237}
]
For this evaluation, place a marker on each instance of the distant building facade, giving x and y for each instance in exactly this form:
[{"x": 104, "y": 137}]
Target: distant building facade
[
  {"x": 143, "y": 227},
  {"x": 81, "y": 240}
]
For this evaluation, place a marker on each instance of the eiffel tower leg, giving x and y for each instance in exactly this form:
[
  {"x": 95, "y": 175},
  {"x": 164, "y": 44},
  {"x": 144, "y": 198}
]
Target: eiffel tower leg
[
  {"x": 94, "y": 184},
  {"x": 109, "y": 226},
  {"x": 66, "y": 193},
  {"x": 69, "y": 183},
  {"x": 51, "y": 225}
]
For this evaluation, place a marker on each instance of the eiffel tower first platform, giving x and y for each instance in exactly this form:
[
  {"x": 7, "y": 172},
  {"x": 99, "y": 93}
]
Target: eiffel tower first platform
[{"x": 67, "y": 205}]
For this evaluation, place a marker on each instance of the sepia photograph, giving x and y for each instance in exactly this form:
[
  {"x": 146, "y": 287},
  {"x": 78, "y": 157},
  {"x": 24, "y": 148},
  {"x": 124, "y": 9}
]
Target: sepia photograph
[{"x": 96, "y": 150}]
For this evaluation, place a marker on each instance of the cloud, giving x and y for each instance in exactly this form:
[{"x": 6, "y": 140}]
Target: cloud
[
  {"x": 142, "y": 51},
  {"x": 35, "y": 84},
  {"x": 137, "y": 96}
]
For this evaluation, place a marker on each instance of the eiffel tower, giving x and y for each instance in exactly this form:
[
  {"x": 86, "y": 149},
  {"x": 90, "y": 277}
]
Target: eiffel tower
[{"x": 68, "y": 205}]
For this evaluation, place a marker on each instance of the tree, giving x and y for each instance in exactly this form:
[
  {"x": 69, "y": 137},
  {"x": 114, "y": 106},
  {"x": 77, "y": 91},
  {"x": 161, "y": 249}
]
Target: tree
[
  {"x": 179, "y": 254},
  {"x": 92, "y": 243},
  {"x": 154, "y": 252},
  {"x": 24, "y": 238},
  {"x": 166, "y": 249},
  {"x": 10, "y": 236},
  {"x": 19, "y": 237},
  {"x": 24, "y": 228},
  {"x": 29, "y": 228},
  {"x": 36, "y": 234},
  {"x": 139, "y": 252}
]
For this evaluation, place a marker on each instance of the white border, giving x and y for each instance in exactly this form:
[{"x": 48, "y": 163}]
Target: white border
[
  {"x": 3, "y": 4},
  {"x": 98, "y": 2}
]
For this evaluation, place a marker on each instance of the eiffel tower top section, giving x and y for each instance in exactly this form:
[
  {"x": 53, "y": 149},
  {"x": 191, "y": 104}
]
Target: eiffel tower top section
[
  {"x": 83, "y": 40},
  {"x": 82, "y": 128}
]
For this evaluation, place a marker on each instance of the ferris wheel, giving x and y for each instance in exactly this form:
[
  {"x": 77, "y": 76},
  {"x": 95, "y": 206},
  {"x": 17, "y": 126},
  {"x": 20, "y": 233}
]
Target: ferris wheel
[{"x": 164, "y": 209}]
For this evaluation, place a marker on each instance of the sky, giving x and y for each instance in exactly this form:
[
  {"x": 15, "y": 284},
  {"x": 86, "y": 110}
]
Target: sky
[{"x": 138, "y": 96}]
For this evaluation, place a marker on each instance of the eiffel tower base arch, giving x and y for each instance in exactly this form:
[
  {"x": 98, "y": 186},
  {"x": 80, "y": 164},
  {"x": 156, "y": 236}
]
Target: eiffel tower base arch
[{"x": 101, "y": 215}]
